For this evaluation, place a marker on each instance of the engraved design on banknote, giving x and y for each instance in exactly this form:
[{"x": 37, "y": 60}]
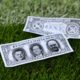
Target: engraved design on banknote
[
  {"x": 73, "y": 28},
  {"x": 35, "y": 25}
]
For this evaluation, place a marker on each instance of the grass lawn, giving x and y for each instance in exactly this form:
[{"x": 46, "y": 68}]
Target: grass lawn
[{"x": 13, "y": 14}]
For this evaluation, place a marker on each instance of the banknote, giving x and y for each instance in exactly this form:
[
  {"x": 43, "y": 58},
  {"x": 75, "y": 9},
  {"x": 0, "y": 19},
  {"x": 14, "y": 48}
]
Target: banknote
[
  {"x": 34, "y": 49},
  {"x": 70, "y": 27}
]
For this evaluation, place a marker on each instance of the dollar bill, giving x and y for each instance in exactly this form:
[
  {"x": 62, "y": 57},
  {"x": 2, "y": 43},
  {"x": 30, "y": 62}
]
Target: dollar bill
[
  {"x": 35, "y": 49},
  {"x": 70, "y": 27}
]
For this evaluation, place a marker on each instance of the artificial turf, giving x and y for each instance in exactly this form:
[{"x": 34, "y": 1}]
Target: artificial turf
[{"x": 13, "y": 14}]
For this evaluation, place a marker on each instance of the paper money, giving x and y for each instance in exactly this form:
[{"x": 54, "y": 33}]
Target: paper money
[
  {"x": 70, "y": 27},
  {"x": 35, "y": 49}
]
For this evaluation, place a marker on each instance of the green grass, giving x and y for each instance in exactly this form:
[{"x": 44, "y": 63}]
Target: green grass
[{"x": 13, "y": 14}]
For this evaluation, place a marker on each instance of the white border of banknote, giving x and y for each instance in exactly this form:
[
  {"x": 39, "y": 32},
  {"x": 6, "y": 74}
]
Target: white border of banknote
[
  {"x": 35, "y": 59},
  {"x": 71, "y": 37}
]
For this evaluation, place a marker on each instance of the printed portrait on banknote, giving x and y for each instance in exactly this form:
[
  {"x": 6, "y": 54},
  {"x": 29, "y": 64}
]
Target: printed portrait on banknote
[
  {"x": 36, "y": 49},
  {"x": 19, "y": 54},
  {"x": 53, "y": 45}
]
